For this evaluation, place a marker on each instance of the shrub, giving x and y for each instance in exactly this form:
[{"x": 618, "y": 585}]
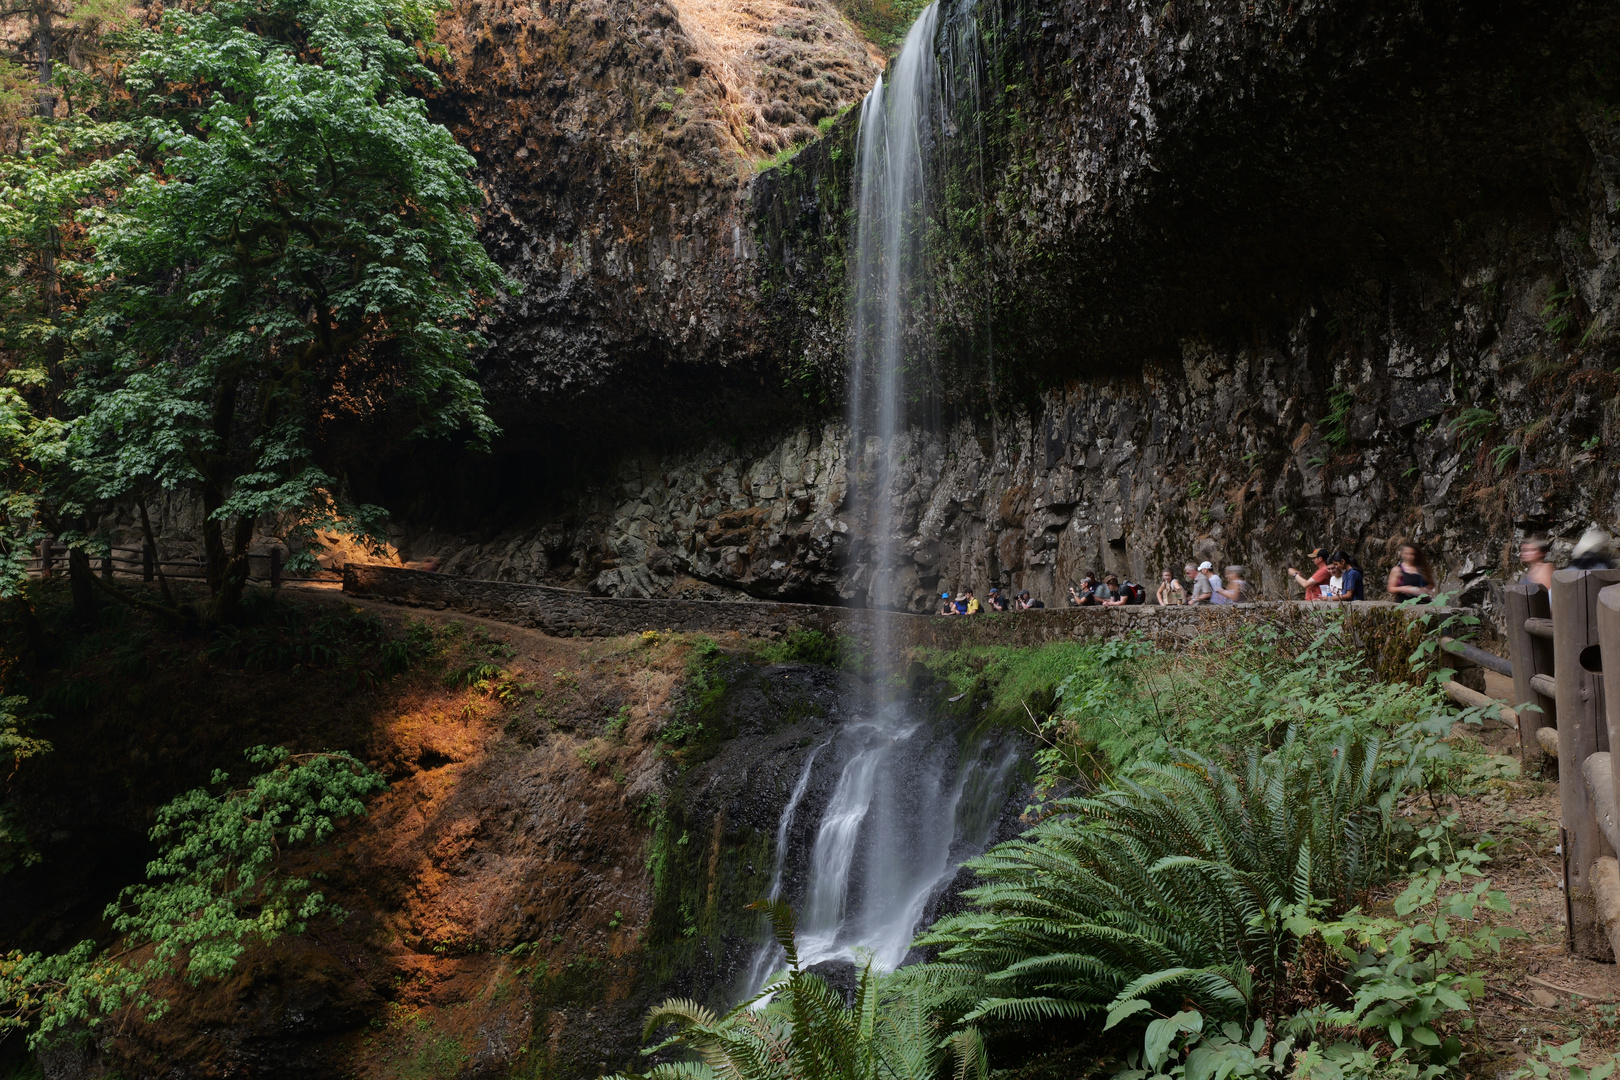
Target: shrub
[
  {"x": 805, "y": 1031},
  {"x": 1172, "y": 886}
]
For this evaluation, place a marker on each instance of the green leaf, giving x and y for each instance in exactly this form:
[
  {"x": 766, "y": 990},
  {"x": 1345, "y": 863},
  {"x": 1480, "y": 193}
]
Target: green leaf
[{"x": 1123, "y": 1010}]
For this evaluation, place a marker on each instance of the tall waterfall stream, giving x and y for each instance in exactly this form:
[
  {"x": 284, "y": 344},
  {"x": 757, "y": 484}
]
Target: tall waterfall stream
[{"x": 910, "y": 802}]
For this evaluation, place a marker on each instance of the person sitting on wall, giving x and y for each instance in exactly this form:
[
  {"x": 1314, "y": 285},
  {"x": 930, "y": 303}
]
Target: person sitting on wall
[
  {"x": 1319, "y": 576},
  {"x": 995, "y": 601},
  {"x": 1171, "y": 591},
  {"x": 1027, "y": 602},
  {"x": 945, "y": 605},
  {"x": 961, "y": 603},
  {"x": 1352, "y": 586},
  {"x": 1117, "y": 596},
  {"x": 972, "y": 603}
]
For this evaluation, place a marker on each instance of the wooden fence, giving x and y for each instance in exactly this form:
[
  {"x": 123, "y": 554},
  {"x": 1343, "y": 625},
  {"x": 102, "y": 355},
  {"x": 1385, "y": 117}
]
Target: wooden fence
[
  {"x": 144, "y": 562},
  {"x": 1565, "y": 646}
]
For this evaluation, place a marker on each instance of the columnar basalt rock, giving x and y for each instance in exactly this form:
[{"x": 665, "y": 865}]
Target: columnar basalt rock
[{"x": 1220, "y": 281}]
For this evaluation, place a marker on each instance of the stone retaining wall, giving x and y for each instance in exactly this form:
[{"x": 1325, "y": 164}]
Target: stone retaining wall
[{"x": 568, "y": 613}]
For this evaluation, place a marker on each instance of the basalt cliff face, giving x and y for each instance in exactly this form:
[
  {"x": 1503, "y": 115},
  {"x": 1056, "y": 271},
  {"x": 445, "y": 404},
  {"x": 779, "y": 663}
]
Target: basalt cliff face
[{"x": 1216, "y": 279}]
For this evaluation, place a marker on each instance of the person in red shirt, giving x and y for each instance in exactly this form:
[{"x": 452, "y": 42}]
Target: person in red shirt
[{"x": 1313, "y": 584}]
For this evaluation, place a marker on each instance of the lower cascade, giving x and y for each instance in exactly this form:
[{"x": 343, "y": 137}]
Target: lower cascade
[{"x": 866, "y": 869}]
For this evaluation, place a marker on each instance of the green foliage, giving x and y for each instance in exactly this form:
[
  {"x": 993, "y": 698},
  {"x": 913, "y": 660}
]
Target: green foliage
[
  {"x": 804, "y": 647},
  {"x": 1471, "y": 426},
  {"x": 1336, "y": 424},
  {"x": 804, "y": 1031},
  {"x": 1172, "y": 885},
  {"x": 701, "y": 694},
  {"x": 1400, "y": 969},
  {"x": 1124, "y": 701},
  {"x": 17, "y": 744},
  {"x": 289, "y": 250},
  {"x": 274, "y": 635},
  {"x": 217, "y": 887},
  {"x": 1549, "y": 1062}
]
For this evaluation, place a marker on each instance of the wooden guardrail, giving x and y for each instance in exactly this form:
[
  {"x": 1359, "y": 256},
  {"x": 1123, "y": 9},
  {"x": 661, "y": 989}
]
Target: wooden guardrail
[
  {"x": 1565, "y": 647},
  {"x": 144, "y": 562}
]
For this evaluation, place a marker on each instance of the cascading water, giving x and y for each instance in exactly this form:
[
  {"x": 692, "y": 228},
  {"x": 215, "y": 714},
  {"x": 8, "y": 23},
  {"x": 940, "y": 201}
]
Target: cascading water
[
  {"x": 888, "y": 288},
  {"x": 908, "y": 804}
]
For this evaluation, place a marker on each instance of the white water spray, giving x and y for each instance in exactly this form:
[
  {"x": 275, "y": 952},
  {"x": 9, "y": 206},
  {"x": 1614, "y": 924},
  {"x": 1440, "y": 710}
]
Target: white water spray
[{"x": 908, "y": 805}]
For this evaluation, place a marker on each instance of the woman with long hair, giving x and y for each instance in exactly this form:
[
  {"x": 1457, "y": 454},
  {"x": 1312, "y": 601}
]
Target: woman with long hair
[{"x": 1411, "y": 579}]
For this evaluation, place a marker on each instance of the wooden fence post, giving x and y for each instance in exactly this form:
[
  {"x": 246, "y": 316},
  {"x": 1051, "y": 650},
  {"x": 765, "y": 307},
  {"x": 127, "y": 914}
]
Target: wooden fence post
[
  {"x": 1582, "y": 732},
  {"x": 148, "y": 562},
  {"x": 275, "y": 568},
  {"x": 47, "y": 548},
  {"x": 1531, "y": 656},
  {"x": 107, "y": 566}
]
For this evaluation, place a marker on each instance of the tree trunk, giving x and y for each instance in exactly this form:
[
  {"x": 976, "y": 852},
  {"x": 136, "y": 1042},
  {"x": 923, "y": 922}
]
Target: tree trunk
[
  {"x": 213, "y": 488},
  {"x": 234, "y": 580},
  {"x": 84, "y": 589},
  {"x": 45, "y": 44}
]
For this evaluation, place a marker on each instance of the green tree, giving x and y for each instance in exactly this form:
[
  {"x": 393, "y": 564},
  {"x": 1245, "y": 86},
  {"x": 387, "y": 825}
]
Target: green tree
[
  {"x": 217, "y": 887},
  {"x": 299, "y": 252}
]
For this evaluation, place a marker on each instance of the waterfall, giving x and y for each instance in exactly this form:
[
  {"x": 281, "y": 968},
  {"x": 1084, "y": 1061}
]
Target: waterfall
[
  {"x": 909, "y": 802},
  {"x": 888, "y": 287},
  {"x": 908, "y": 806}
]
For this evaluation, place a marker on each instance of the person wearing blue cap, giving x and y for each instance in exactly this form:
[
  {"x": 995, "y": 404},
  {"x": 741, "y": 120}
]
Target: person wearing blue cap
[{"x": 945, "y": 605}]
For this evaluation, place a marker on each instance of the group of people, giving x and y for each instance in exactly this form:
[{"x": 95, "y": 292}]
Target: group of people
[
  {"x": 1334, "y": 577},
  {"x": 1204, "y": 586},
  {"x": 1109, "y": 592},
  {"x": 965, "y": 603}
]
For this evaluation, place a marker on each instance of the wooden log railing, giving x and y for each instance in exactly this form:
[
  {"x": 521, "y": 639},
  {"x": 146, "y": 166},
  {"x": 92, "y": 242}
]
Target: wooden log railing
[
  {"x": 144, "y": 562},
  {"x": 1565, "y": 646}
]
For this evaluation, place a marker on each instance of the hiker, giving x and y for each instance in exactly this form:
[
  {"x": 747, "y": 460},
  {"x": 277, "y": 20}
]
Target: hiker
[
  {"x": 1085, "y": 594},
  {"x": 972, "y": 603},
  {"x": 1202, "y": 591},
  {"x": 1134, "y": 593},
  {"x": 995, "y": 601},
  {"x": 1534, "y": 553},
  {"x": 1319, "y": 576},
  {"x": 1170, "y": 592},
  {"x": 1027, "y": 602},
  {"x": 1411, "y": 579},
  {"x": 1348, "y": 575},
  {"x": 1117, "y": 597},
  {"x": 960, "y": 604},
  {"x": 1235, "y": 590}
]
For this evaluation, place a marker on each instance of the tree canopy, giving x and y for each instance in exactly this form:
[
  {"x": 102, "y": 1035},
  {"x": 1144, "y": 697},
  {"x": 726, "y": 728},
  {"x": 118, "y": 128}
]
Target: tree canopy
[{"x": 278, "y": 241}]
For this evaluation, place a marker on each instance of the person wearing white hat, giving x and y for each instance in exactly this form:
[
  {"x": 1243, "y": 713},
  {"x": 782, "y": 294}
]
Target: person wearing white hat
[{"x": 1202, "y": 590}]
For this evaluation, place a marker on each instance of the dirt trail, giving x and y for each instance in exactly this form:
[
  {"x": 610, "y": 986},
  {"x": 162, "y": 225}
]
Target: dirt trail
[{"x": 1538, "y": 989}]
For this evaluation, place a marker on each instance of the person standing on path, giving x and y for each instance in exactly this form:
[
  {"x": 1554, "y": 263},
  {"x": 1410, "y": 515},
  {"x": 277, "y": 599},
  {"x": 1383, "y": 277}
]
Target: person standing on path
[
  {"x": 1534, "y": 552},
  {"x": 1351, "y": 585},
  {"x": 1411, "y": 579},
  {"x": 1202, "y": 591},
  {"x": 1321, "y": 573},
  {"x": 1235, "y": 590}
]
